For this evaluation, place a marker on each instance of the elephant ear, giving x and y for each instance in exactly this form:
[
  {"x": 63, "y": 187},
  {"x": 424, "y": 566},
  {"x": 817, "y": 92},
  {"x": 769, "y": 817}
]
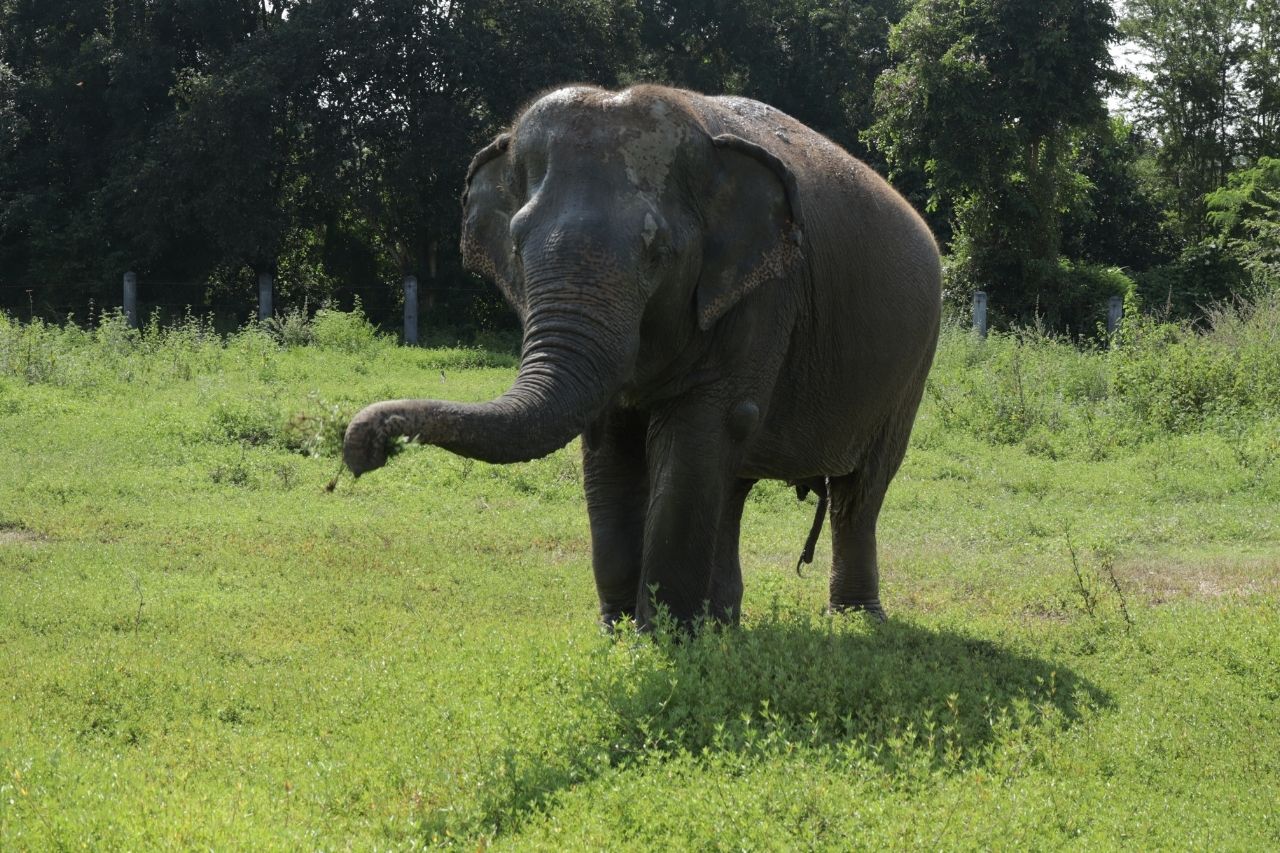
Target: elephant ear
[
  {"x": 487, "y": 208},
  {"x": 753, "y": 236}
]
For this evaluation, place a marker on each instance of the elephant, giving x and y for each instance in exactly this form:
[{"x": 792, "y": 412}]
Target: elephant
[{"x": 711, "y": 294}]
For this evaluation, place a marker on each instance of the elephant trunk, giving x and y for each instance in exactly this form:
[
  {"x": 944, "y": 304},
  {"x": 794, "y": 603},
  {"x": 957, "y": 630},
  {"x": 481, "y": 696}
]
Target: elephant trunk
[{"x": 571, "y": 366}]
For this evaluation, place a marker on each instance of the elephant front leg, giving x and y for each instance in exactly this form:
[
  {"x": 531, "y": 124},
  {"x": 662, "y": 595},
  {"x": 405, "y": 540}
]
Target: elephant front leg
[
  {"x": 726, "y": 576},
  {"x": 692, "y": 473},
  {"x": 617, "y": 487}
]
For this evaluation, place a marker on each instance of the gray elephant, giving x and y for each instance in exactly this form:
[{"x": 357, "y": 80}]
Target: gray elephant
[{"x": 712, "y": 294}]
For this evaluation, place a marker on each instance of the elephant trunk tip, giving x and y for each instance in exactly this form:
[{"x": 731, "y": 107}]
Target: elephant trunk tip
[{"x": 369, "y": 440}]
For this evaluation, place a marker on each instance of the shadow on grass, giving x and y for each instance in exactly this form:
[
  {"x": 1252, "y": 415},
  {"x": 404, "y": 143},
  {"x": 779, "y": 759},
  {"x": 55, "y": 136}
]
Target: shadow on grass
[
  {"x": 908, "y": 700},
  {"x": 842, "y": 682}
]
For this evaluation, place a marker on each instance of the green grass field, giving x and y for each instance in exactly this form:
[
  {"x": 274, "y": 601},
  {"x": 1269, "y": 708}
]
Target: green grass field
[{"x": 200, "y": 647}]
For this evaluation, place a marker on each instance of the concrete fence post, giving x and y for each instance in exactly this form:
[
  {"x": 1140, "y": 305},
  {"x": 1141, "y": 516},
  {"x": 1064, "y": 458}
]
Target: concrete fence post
[
  {"x": 131, "y": 299},
  {"x": 980, "y": 312},
  {"x": 266, "y": 286},
  {"x": 1115, "y": 313},
  {"x": 411, "y": 310}
]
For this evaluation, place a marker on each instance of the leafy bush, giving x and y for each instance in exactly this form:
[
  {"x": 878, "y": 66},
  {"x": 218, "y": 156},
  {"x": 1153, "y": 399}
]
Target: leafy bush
[
  {"x": 1068, "y": 297},
  {"x": 1075, "y": 295},
  {"x": 1160, "y": 378},
  {"x": 347, "y": 331},
  {"x": 1204, "y": 274},
  {"x": 248, "y": 422},
  {"x": 1247, "y": 214},
  {"x": 293, "y": 328}
]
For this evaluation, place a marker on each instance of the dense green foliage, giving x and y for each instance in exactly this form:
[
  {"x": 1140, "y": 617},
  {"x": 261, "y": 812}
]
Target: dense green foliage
[
  {"x": 201, "y": 143},
  {"x": 202, "y": 648},
  {"x": 986, "y": 98},
  {"x": 1209, "y": 89},
  {"x": 1246, "y": 213}
]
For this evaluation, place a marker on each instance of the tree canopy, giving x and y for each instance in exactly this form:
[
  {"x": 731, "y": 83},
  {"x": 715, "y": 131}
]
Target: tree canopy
[{"x": 325, "y": 141}]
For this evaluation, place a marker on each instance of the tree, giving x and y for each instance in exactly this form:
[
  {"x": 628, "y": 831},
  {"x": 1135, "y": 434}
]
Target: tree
[
  {"x": 56, "y": 159},
  {"x": 816, "y": 60},
  {"x": 399, "y": 94},
  {"x": 1116, "y": 221},
  {"x": 1190, "y": 95},
  {"x": 12, "y": 131},
  {"x": 1260, "y": 129},
  {"x": 1246, "y": 215},
  {"x": 93, "y": 95},
  {"x": 986, "y": 98}
]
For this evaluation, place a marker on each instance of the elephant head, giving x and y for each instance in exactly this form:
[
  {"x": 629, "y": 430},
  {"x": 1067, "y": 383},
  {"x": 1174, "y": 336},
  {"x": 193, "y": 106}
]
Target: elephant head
[{"x": 620, "y": 227}]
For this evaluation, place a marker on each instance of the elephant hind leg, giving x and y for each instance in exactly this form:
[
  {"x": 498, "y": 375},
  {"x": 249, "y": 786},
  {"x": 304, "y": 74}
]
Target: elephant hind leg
[
  {"x": 856, "y": 499},
  {"x": 855, "y": 572},
  {"x": 726, "y": 575}
]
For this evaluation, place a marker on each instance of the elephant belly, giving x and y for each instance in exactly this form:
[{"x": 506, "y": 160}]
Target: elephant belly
[
  {"x": 796, "y": 450},
  {"x": 816, "y": 427}
]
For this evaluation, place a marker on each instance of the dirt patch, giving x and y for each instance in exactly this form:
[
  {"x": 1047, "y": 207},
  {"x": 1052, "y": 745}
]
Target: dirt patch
[
  {"x": 12, "y": 534},
  {"x": 1161, "y": 580}
]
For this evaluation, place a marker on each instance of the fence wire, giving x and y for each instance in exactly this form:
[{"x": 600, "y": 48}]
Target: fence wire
[{"x": 173, "y": 300}]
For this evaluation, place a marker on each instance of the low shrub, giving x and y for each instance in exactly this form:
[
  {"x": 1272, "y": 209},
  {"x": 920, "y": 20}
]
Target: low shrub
[
  {"x": 1204, "y": 274},
  {"x": 1074, "y": 296},
  {"x": 1018, "y": 387},
  {"x": 293, "y": 328},
  {"x": 1159, "y": 378},
  {"x": 29, "y": 351},
  {"x": 347, "y": 331},
  {"x": 1178, "y": 380},
  {"x": 463, "y": 358},
  {"x": 252, "y": 423}
]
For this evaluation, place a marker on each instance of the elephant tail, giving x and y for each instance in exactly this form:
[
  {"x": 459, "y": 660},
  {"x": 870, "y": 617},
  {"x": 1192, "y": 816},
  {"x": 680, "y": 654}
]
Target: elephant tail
[{"x": 819, "y": 487}]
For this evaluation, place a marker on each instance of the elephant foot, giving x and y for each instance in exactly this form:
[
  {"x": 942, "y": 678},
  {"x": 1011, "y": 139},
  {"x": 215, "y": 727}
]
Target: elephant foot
[
  {"x": 609, "y": 619},
  {"x": 724, "y": 612},
  {"x": 871, "y": 608},
  {"x": 729, "y": 618}
]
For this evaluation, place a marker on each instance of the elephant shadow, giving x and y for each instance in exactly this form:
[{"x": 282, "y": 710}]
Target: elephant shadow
[
  {"x": 896, "y": 694},
  {"x": 912, "y": 701}
]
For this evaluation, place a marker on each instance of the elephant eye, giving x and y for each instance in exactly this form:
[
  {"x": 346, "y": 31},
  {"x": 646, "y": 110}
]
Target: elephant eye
[
  {"x": 659, "y": 253},
  {"x": 657, "y": 243}
]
